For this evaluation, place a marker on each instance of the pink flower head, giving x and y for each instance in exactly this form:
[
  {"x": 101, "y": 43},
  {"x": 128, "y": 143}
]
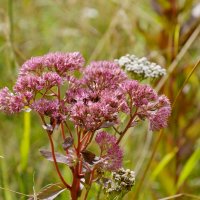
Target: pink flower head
[
  {"x": 159, "y": 117},
  {"x": 92, "y": 109},
  {"x": 5, "y": 97},
  {"x": 114, "y": 103},
  {"x": 103, "y": 74},
  {"x": 51, "y": 79},
  {"x": 60, "y": 62},
  {"x": 63, "y": 62},
  {"x": 33, "y": 65},
  {"x": 96, "y": 98},
  {"x": 46, "y": 107},
  {"x": 29, "y": 83},
  {"x": 111, "y": 154},
  {"x": 88, "y": 117},
  {"x": 77, "y": 94},
  {"x": 149, "y": 105},
  {"x": 17, "y": 103},
  {"x": 10, "y": 103},
  {"x": 140, "y": 94},
  {"x": 105, "y": 141}
]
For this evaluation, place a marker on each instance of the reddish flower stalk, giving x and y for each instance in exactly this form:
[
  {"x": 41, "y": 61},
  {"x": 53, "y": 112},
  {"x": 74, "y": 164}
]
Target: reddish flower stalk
[
  {"x": 75, "y": 189},
  {"x": 56, "y": 164}
]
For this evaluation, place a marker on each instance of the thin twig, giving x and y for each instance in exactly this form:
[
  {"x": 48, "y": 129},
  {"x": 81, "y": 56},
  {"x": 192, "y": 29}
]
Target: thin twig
[
  {"x": 116, "y": 130},
  {"x": 68, "y": 128},
  {"x": 62, "y": 130},
  {"x": 56, "y": 164},
  {"x": 127, "y": 127}
]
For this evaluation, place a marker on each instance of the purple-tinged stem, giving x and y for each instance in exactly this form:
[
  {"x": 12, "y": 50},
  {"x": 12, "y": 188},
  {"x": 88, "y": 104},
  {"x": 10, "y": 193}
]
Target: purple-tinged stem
[
  {"x": 68, "y": 129},
  {"x": 127, "y": 127},
  {"x": 62, "y": 131},
  {"x": 55, "y": 163}
]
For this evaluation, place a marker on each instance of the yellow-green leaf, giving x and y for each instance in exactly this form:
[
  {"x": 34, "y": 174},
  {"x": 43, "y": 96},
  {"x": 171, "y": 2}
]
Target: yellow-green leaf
[
  {"x": 162, "y": 164},
  {"x": 189, "y": 166}
]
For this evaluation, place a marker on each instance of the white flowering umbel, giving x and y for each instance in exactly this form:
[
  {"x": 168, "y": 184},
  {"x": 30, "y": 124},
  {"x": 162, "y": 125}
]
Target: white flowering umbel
[
  {"x": 121, "y": 182},
  {"x": 141, "y": 66}
]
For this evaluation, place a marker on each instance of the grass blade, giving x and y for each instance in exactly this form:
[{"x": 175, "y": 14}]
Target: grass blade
[
  {"x": 163, "y": 163},
  {"x": 189, "y": 166},
  {"x": 4, "y": 175},
  {"x": 25, "y": 143}
]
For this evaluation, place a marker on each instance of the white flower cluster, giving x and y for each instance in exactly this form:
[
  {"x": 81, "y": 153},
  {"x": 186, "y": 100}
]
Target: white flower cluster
[
  {"x": 122, "y": 181},
  {"x": 141, "y": 66}
]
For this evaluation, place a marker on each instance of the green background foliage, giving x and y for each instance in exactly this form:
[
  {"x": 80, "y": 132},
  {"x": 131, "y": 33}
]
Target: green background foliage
[{"x": 166, "y": 31}]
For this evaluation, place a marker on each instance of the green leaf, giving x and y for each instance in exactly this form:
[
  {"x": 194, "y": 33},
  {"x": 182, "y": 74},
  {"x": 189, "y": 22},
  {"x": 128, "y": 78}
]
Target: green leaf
[
  {"x": 49, "y": 192},
  {"x": 162, "y": 164},
  {"x": 166, "y": 182},
  {"x": 189, "y": 166}
]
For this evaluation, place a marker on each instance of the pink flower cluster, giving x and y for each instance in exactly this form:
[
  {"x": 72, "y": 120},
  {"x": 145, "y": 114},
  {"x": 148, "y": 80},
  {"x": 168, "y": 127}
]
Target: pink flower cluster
[
  {"x": 10, "y": 103},
  {"x": 97, "y": 99},
  {"x": 148, "y": 104},
  {"x": 92, "y": 101},
  {"x": 38, "y": 78},
  {"x": 84, "y": 102},
  {"x": 102, "y": 75},
  {"x": 111, "y": 154},
  {"x": 58, "y": 62},
  {"x": 159, "y": 113}
]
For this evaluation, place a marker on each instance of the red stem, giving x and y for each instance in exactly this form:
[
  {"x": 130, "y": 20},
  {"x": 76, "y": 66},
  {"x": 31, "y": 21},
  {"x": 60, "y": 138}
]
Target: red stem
[
  {"x": 62, "y": 131},
  {"x": 127, "y": 127},
  {"x": 76, "y": 175},
  {"x": 90, "y": 182},
  {"x": 55, "y": 163},
  {"x": 85, "y": 141},
  {"x": 68, "y": 128}
]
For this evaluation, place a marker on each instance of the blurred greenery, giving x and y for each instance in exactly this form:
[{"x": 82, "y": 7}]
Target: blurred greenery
[{"x": 165, "y": 31}]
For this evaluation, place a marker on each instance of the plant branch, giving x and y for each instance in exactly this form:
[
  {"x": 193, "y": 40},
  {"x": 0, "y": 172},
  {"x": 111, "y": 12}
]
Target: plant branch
[
  {"x": 68, "y": 128},
  {"x": 62, "y": 130},
  {"x": 56, "y": 164},
  {"x": 127, "y": 127}
]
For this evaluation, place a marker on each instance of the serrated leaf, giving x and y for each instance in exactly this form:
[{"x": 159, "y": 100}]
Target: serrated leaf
[
  {"x": 162, "y": 164},
  {"x": 59, "y": 157},
  {"x": 189, "y": 166},
  {"x": 49, "y": 192}
]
